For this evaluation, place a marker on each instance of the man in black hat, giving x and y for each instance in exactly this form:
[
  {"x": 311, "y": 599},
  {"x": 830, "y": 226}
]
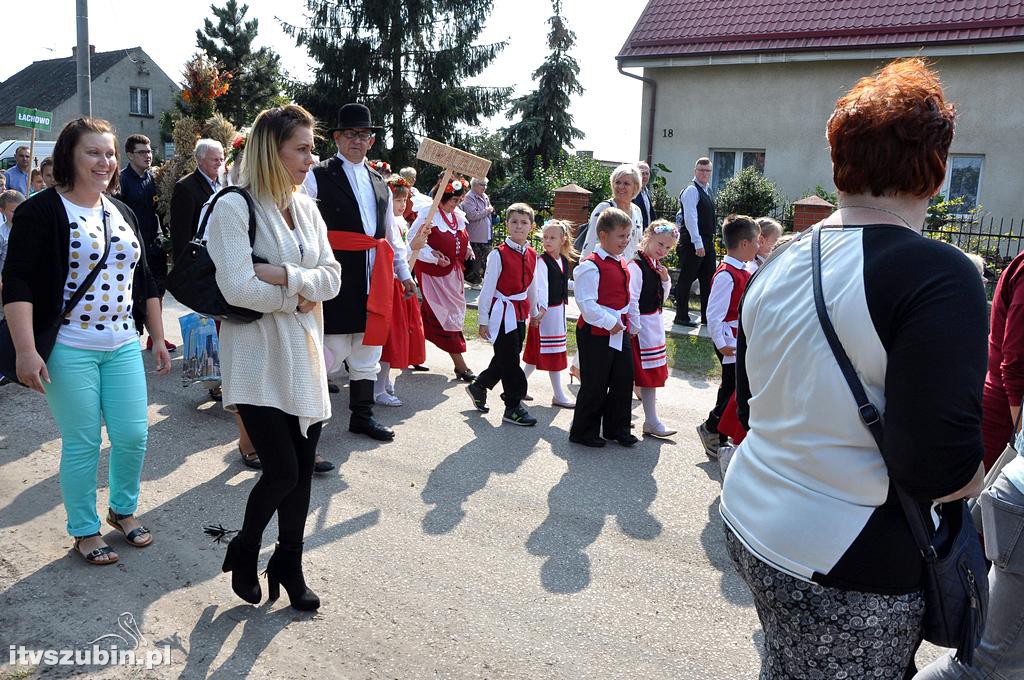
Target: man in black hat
[{"x": 356, "y": 205}]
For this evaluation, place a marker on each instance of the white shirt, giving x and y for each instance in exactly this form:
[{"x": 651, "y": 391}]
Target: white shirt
[
  {"x": 587, "y": 277},
  {"x": 102, "y": 320},
  {"x": 358, "y": 176},
  {"x": 422, "y": 207},
  {"x": 590, "y": 243},
  {"x": 689, "y": 200},
  {"x": 490, "y": 284},
  {"x": 721, "y": 331},
  {"x": 636, "y": 286}
]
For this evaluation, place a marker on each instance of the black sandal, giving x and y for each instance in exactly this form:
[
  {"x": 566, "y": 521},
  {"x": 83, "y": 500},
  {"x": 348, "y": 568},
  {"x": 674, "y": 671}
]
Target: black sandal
[
  {"x": 465, "y": 376},
  {"x": 114, "y": 520},
  {"x": 251, "y": 460},
  {"x": 93, "y": 557}
]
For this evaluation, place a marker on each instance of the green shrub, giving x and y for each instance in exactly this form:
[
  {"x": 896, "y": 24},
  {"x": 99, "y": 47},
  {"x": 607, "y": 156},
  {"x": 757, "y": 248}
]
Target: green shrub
[{"x": 748, "y": 193}]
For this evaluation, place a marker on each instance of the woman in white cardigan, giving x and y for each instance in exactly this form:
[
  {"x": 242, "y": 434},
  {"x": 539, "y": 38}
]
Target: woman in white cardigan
[{"x": 274, "y": 372}]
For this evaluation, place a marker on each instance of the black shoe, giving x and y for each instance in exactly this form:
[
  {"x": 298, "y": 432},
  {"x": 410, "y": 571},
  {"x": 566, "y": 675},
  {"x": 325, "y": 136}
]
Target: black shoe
[
  {"x": 285, "y": 569},
  {"x": 479, "y": 396},
  {"x": 251, "y": 460},
  {"x": 371, "y": 428},
  {"x": 626, "y": 440},
  {"x": 241, "y": 560},
  {"x": 465, "y": 376},
  {"x": 216, "y": 394},
  {"x": 323, "y": 466},
  {"x": 332, "y": 387},
  {"x": 420, "y": 367},
  {"x": 679, "y": 321},
  {"x": 519, "y": 416},
  {"x": 593, "y": 442}
]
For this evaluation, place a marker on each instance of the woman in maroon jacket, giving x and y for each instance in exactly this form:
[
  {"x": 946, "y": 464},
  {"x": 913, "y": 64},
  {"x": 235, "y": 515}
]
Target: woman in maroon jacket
[{"x": 1004, "y": 383}]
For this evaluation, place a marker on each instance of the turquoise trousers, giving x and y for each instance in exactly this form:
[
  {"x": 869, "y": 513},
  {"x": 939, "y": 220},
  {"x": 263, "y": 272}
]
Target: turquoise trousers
[{"x": 87, "y": 386}]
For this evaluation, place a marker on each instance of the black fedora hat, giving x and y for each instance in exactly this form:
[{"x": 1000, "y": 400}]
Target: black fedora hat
[{"x": 354, "y": 116}]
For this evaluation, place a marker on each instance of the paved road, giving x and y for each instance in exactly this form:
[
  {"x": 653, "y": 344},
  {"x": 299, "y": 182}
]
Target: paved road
[{"x": 464, "y": 549}]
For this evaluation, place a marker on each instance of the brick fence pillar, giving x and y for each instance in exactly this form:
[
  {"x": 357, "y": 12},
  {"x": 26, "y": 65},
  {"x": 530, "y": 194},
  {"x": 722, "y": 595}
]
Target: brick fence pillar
[
  {"x": 809, "y": 211},
  {"x": 572, "y": 203}
]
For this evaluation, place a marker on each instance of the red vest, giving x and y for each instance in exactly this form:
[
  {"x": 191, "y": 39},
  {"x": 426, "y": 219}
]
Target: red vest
[
  {"x": 612, "y": 288},
  {"x": 740, "y": 278},
  {"x": 517, "y": 272},
  {"x": 452, "y": 246}
]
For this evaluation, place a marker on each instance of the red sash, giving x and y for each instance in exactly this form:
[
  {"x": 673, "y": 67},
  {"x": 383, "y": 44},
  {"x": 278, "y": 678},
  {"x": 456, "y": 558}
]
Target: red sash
[{"x": 380, "y": 301}]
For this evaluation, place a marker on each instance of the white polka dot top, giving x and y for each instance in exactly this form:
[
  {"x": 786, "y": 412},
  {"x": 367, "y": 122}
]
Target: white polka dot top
[{"x": 102, "y": 320}]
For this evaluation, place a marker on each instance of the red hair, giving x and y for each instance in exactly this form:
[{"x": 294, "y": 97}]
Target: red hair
[{"x": 891, "y": 132}]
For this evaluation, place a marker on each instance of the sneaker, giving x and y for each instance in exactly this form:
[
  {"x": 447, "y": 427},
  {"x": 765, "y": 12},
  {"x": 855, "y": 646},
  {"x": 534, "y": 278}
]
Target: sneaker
[
  {"x": 519, "y": 416},
  {"x": 385, "y": 399},
  {"x": 709, "y": 439},
  {"x": 479, "y": 396}
]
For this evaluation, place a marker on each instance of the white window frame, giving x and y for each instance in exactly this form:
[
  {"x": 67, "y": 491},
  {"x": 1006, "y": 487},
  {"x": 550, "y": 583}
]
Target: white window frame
[
  {"x": 949, "y": 176},
  {"x": 737, "y": 162},
  {"x": 135, "y": 101}
]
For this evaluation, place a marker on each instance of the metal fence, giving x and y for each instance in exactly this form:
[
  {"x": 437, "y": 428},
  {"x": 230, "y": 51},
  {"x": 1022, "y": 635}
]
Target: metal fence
[{"x": 996, "y": 239}]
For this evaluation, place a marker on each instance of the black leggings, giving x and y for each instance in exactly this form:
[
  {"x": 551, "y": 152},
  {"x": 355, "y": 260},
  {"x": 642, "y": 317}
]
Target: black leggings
[{"x": 287, "y": 459}]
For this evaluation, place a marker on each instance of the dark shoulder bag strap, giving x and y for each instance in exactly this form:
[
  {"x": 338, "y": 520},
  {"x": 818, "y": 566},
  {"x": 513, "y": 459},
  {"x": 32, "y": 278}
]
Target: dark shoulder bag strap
[
  {"x": 201, "y": 231},
  {"x": 869, "y": 414}
]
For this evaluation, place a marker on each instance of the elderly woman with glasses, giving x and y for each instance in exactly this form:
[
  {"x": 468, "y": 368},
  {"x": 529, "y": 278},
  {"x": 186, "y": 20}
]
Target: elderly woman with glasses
[{"x": 626, "y": 184}]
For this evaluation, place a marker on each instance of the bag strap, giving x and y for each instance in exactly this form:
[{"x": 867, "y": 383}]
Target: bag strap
[
  {"x": 77, "y": 296},
  {"x": 209, "y": 211},
  {"x": 869, "y": 414}
]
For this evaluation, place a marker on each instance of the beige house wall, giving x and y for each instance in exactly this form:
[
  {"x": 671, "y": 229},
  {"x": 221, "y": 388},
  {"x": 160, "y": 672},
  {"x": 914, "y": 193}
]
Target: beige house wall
[{"x": 782, "y": 108}]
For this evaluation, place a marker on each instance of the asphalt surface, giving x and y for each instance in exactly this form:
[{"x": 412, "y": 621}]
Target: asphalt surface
[{"x": 466, "y": 548}]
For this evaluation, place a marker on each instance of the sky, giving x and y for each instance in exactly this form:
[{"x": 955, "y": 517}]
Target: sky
[{"x": 165, "y": 29}]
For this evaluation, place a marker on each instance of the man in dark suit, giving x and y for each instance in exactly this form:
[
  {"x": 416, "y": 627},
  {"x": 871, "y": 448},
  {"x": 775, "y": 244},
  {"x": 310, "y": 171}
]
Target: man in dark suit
[
  {"x": 643, "y": 199},
  {"x": 356, "y": 205},
  {"x": 192, "y": 191}
]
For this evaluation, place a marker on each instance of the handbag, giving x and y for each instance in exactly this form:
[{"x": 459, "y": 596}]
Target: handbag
[
  {"x": 955, "y": 584},
  {"x": 193, "y": 280},
  {"x": 46, "y": 338},
  {"x": 1008, "y": 454}
]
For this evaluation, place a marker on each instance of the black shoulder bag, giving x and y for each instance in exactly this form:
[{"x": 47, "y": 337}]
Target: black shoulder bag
[
  {"x": 193, "y": 280},
  {"x": 956, "y": 578},
  {"x": 46, "y": 337}
]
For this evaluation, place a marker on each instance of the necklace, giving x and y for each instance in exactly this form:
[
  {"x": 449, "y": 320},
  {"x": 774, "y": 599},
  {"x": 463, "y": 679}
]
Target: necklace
[
  {"x": 869, "y": 207},
  {"x": 444, "y": 217}
]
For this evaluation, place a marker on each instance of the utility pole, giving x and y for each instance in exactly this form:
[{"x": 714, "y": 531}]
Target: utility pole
[{"x": 84, "y": 67}]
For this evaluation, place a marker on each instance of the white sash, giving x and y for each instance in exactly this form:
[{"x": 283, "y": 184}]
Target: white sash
[
  {"x": 505, "y": 320},
  {"x": 615, "y": 339}
]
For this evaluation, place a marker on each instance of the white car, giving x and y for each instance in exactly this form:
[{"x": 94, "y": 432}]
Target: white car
[{"x": 8, "y": 147}]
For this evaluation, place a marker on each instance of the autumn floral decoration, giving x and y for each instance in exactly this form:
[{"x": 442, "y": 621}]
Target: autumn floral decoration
[
  {"x": 381, "y": 166},
  {"x": 238, "y": 145}
]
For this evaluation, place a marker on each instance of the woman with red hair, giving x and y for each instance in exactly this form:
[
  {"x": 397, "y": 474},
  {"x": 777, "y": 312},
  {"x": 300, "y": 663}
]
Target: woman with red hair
[{"x": 811, "y": 521}]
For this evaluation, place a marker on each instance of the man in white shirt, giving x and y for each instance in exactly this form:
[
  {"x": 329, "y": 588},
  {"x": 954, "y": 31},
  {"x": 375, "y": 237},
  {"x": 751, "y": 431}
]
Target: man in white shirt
[
  {"x": 356, "y": 204},
  {"x": 696, "y": 248}
]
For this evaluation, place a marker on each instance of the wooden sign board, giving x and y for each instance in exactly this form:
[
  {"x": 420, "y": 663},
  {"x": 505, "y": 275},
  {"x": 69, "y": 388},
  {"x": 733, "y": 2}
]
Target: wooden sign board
[{"x": 450, "y": 158}]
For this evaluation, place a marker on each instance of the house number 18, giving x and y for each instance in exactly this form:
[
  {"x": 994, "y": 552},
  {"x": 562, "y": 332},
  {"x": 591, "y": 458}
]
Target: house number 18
[{"x": 668, "y": 132}]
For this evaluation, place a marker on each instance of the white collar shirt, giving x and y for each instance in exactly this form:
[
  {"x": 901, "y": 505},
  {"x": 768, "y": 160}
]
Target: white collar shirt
[{"x": 359, "y": 179}]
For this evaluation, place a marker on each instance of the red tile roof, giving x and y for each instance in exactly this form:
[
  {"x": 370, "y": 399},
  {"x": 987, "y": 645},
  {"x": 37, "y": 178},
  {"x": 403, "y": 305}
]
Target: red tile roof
[{"x": 706, "y": 27}]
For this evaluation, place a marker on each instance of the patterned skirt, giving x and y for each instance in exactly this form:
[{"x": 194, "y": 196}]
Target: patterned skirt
[{"x": 813, "y": 632}]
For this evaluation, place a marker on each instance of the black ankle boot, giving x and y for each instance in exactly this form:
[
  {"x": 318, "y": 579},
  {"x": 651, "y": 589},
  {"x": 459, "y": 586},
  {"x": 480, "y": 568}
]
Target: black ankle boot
[
  {"x": 241, "y": 560},
  {"x": 285, "y": 568}
]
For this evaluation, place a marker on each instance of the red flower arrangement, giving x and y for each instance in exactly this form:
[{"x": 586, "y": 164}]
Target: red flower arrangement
[
  {"x": 456, "y": 186},
  {"x": 381, "y": 166}
]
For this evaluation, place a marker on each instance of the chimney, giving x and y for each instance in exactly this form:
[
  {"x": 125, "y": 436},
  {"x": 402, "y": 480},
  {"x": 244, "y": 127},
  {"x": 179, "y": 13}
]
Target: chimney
[{"x": 74, "y": 51}]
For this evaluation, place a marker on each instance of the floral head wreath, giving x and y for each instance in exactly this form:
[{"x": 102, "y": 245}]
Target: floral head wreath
[
  {"x": 456, "y": 186},
  {"x": 383, "y": 167},
  {"x": 396, "y": 182}
]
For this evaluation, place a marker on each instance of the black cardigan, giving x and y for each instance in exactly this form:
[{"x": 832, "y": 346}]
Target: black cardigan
[{"x": 36, "y": 268}]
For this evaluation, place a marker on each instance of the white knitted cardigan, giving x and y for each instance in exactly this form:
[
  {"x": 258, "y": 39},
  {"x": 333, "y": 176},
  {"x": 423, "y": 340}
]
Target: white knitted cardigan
[{"x": 277, "y": 361}]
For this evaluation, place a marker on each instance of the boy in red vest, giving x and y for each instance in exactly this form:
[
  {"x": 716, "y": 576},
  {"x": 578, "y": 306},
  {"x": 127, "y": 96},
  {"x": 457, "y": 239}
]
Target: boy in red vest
[
  {"x": 506, "y": 299},
  {"x": 605, "y": 348},
  {"x": 739, "y": 233}
]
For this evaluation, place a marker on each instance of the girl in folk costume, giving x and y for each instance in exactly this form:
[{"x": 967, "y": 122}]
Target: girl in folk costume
[
  {"x": 545, "y": 340},
  {"x": 439, "y": 273},
  {"x": 649, "y": 287},
  {"x": 405, "y": 345}
]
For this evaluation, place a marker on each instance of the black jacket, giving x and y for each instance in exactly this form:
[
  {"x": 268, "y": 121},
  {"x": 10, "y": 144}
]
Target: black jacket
[
  {"x": 190, "y": 193},
  {"x": 36, "y": 268}
]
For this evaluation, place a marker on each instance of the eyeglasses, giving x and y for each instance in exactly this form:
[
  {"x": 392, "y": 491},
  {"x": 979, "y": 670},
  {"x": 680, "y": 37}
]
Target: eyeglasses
[
  {"x": 143, "y": 152},
  {"x": 361, "y": 136}
]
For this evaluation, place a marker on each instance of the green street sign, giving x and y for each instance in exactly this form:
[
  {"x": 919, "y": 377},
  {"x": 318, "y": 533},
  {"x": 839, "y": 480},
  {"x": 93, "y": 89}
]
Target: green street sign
[{"x": 32, "y": 118}]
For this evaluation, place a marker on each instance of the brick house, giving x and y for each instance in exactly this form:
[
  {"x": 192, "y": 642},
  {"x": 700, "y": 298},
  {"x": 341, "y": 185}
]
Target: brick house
[
  {"x": 128, "y": 89},
  {"x": 752, "y": 82}
]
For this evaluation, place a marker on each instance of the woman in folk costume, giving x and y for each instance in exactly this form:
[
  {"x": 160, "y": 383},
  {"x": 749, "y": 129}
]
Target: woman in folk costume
[
  {"x": 545, "y": 340},
  {"x": 405, "y": 345},
  {"x": 649, "y": 287},
  {"x": 439, "y": 272}
]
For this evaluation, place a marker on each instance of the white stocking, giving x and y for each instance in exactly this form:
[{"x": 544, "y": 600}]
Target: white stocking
[
  {"x": 650, "y": 411},
  {"x": 557, "y": 388},
  {"x": 528, "y": 369},
  {"x": 383, "y": 378}
]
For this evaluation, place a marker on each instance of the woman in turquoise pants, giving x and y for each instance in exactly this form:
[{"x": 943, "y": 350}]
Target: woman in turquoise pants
[{"x": 94, "y": 372}]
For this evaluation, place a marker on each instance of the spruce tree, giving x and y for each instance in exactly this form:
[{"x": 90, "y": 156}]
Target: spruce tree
[
  {"x": 545, "y": 126},
  {"x": 256, "y": 74},
  {"x": 406, "y": 61}
]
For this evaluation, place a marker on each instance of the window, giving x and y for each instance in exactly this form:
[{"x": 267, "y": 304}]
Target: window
[
  {"x": 725, "y": 164},
  {"x": 963, "y": 179},
  {"x": 139, "y": 101}
]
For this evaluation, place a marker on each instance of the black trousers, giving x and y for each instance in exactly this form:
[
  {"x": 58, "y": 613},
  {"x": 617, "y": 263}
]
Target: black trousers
[
  {"x": 283, "y": 487},
  {"x": 505, "y": 366},
  {"x": 475, "y": 267},
  {"x": 156, "y": 259},
  {"x": 694, "y": 268},
  {"x": 725, "y": 392},
  {"x": 606, "y": 385}
]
